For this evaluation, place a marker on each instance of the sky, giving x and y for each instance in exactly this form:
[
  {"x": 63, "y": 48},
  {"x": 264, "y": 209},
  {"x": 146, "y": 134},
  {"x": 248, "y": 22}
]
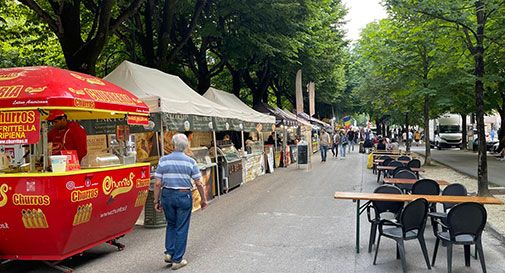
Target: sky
[{"x": 361, "y": 12}]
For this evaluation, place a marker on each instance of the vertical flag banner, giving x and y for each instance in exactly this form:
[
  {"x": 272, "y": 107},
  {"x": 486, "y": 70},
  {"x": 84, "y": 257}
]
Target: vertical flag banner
[
  {"x": 347, "y": 121},
  {"x": 312, "y": 98},
  {"x": 299, "y": 95}
]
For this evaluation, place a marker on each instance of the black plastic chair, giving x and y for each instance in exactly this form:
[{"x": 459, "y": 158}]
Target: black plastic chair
[
  {"x": 407, "y": 174},
  {"x": 386, "y": 161},
  {"x": 411, "y": 226},
  {"x": 454, "y": 189},
  {"x": 426, "y": 187},
  {"x": 414, "y": 163},
  {"x": 381, "y": 207},
  {"x": 393, "y": 163},
  {"x": 465, "y": 223},
  {"x": 403, "y": 158}
]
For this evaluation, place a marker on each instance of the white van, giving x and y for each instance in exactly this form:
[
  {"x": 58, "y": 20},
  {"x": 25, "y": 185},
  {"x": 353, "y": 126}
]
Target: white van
[{"x": 445, "y": 131}]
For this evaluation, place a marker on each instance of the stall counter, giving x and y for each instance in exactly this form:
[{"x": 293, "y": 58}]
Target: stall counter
[
  {"x": 52, "y": 216},
  {"x": 253, "y": 166}
]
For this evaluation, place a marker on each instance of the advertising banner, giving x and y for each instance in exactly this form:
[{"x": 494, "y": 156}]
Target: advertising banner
[
  {"x": 312, "y": 98},
  {"x": 19, "y": 127},
  {"x": 299, "y": 94}
]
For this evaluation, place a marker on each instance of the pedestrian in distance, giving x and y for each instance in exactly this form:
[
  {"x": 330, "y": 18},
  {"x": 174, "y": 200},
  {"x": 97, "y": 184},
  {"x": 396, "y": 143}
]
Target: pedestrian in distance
[
  {"x": 343, "y": 144},
  {"x": 350, "y": 140},
  {"x": 172, "y": 195},
  {"x": 336, "y": 141},
  {"x": 324, "y": 143}
]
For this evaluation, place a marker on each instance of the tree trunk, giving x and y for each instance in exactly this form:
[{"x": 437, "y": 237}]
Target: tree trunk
[
  {"x": 236, "y": 77},
  {"x": 464, "y": 142},
  {"x": 483, "y": 185},
  {"x": 427, "y": 145}
]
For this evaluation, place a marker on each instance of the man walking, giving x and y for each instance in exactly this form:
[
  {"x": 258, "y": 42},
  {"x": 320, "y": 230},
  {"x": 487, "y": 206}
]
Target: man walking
[
  {"x": 324, "y": 142},
  {"x": 173, "y": 181}
]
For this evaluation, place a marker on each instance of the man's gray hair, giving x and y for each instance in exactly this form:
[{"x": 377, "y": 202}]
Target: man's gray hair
[{"x": 180, "y": 142}]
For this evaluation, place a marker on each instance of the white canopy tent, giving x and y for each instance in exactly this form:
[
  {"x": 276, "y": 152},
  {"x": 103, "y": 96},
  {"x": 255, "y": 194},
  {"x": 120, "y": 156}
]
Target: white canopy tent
[
  {"x": 166, "y": 93},
  {"x": 229, "y": 100}
]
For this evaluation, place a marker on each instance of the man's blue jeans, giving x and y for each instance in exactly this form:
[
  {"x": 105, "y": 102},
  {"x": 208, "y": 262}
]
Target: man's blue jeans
[
  {"x": 177, "y": 207},
  {"x": 342, "y": 150},
  {"x": 324, "y": 150}
]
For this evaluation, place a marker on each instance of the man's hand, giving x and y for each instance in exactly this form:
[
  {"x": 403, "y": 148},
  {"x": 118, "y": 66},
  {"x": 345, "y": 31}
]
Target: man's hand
[
  {"x": 158, "y": 207},
  {"x": 204, "y": 204}
]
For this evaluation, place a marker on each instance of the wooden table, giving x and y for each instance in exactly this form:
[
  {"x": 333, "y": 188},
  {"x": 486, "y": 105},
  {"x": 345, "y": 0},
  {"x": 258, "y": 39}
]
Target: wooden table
[
  {"x": 410, "y": 181},
  {"x": 392, "y": 168},
  {"x": 378, "y": 161},
  {"x": 358, "y": 196}
]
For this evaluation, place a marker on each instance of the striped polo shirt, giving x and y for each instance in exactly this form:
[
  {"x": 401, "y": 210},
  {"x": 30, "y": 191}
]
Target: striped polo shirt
[{"x": 176, "y": 171}]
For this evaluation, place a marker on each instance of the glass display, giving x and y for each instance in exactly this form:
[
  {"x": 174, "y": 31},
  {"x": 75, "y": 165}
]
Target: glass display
[{"x": 230, "y": 153}]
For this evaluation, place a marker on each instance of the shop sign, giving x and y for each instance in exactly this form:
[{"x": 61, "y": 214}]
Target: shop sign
[
  {"x": 19, "y": 127},
  {"x": 183, "y": 122},
  {"x": 114, "y": 188},
  {"x": 137, "y": 120},
  {"x": 78, "y": 195},
  {"x": 19, "y": 199}
]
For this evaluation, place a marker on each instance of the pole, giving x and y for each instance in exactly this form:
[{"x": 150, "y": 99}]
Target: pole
[
  {"x": 217, "y": 165},
  {"x": 162, "y": 132},
  {"x": 243, "y": 143}
]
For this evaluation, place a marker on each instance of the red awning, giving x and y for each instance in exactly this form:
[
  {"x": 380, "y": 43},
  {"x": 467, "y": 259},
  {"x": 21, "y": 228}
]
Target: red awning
[{"x": 48, "y": 87}]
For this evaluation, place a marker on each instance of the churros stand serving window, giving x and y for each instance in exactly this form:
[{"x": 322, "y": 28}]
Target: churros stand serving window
[{"x": 56, "y": 198}]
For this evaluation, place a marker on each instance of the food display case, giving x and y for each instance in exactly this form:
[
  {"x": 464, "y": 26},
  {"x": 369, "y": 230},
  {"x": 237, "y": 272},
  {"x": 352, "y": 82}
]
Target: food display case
[
  {"x": 207, "y": 168},
  {"x": 229, "y": 166},
  {"x": 254, "y": 162}
]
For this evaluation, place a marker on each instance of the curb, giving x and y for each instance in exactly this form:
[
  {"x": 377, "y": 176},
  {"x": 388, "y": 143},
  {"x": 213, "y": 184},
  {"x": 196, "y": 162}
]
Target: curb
[{"x": 489, "y": 227}]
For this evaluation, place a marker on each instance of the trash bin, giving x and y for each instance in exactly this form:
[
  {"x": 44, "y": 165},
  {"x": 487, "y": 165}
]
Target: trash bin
[{"x": 152, "y": 218}]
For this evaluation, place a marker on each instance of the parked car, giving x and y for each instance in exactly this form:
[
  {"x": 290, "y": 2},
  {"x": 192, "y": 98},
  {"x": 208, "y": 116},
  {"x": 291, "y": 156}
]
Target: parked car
[{"x": 491, "y": 146}]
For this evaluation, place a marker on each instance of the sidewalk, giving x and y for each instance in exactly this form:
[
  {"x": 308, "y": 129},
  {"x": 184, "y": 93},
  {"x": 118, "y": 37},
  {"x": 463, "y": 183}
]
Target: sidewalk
[
  {"x": 496, "y": 214},
  {"x": 287, "y": 221}
]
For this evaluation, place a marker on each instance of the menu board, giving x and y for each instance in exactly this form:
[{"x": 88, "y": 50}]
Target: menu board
[{"x": 303, "y": 154}]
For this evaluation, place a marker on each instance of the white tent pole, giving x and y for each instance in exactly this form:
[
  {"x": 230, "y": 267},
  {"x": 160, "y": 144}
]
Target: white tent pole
[
  {"x": 217, "y": 165},
  {"x": 162, "y": 132},
  {"x": 243, "y": 143}
]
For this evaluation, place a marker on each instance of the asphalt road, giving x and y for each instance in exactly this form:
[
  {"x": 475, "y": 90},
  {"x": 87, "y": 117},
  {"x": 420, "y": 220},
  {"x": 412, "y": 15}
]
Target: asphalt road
[
  {"x": 282, "y": 222},
  {"x": 466, "y": 162}
]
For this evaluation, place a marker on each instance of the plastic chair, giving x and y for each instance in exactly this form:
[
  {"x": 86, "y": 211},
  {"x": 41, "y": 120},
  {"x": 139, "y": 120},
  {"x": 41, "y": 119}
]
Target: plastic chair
[
  {"x": 454, "y": 189},
  {"x": 465, "y": 223},
  {"x": 426, "y": 187},
  {"x": 411, "y": 226},
  {"x": 381, "y": 207},
  {"x": 407, "y": 174},
  {"x": 394, "y": 164},
  {"x": 404, "y": 158},
  {"x": 414, "y": 163}
]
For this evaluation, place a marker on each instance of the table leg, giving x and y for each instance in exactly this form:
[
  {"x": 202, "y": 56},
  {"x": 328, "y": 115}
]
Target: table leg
[
  {"x": 378, "y": 175},
  {"x": 357, "y": 225}
]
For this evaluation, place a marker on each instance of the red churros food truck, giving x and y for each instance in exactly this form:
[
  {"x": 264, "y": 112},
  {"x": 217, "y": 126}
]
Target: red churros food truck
[{"x": 48, "y": 212}]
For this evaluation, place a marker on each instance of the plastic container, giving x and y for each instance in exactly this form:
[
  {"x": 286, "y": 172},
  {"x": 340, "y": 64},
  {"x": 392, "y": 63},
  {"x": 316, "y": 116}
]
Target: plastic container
[{"x": 59, "y": 163}]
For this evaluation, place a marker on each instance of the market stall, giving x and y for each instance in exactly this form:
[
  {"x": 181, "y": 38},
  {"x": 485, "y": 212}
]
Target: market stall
[
  {"x": 180, "y": 109},
  {"x": 284, "y": 133},
  {"x": 253, "y": 157},
  {"x": 55, "y": 206}
]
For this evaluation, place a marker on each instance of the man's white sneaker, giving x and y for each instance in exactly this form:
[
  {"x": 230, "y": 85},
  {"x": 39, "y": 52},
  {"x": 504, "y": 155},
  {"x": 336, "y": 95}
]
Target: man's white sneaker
[
  {"x": 180, "y": 264},
  {"x": 168, "y": 259}
]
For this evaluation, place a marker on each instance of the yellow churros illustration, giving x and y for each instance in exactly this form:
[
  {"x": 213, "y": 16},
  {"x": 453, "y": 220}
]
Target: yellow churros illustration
[{"x": 34, "y": 218}]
